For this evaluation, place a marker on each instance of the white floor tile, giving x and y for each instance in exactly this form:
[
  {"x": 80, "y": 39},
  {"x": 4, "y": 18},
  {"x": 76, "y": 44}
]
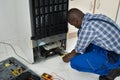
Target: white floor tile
[{"x": 56, "y": 67}]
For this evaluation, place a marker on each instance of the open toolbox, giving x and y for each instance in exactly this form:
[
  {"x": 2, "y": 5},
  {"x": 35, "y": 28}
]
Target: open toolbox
[{"x": 12, "y": 69}]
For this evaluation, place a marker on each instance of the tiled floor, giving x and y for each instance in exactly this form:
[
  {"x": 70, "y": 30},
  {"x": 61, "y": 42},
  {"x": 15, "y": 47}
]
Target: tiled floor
[{"x": 56, "y": 67}]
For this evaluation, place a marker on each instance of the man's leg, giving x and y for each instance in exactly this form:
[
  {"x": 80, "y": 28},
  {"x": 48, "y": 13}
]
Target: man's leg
[
  {"x": 95, "y": 61},
  {"x": 113, "y": 73}
]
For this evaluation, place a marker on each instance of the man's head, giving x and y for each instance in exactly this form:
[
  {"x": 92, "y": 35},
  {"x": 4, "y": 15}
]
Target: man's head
[{"x": 75, "y": 17}]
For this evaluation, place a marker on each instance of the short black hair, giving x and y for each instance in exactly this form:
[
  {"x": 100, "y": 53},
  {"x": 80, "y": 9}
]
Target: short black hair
[{"x": 75, "y": 11}]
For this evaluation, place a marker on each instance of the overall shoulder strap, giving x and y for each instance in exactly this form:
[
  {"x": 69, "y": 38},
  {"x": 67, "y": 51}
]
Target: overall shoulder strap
[{"x": 94, "y": 19}]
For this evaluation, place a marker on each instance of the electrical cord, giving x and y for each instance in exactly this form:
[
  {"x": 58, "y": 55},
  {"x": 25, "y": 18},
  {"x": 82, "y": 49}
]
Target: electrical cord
[
  {"x": 57, "y": 76},
  {"x": 15, "y": 51}
]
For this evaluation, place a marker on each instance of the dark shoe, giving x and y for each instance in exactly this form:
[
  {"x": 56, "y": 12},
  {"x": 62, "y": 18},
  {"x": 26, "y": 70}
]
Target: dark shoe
[
  {"x": 113, "y": 73},
  {"x": 103, "y": 78}
]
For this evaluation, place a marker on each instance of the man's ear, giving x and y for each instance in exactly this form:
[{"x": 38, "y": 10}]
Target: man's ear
[{"x": 77, "y": 23}]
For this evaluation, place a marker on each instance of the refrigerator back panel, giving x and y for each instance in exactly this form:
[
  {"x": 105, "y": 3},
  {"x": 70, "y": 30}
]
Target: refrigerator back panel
[{"x": 48, "y": 17}]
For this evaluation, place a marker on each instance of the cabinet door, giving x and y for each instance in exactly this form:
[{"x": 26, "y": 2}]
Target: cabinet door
[
  {"x": 84, "y": 6},
  {"x": 118, "y": 17},
  {"x": 107, "y": 7}
]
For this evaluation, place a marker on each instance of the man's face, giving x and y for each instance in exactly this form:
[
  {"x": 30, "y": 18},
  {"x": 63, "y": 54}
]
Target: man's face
[{"x": 75, "y": 22}]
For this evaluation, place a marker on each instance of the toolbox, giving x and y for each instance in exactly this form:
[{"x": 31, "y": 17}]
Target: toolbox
[{"x": 12, "y": 69}]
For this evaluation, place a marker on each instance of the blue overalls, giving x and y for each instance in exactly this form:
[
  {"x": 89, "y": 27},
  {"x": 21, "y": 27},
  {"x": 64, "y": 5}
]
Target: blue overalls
[{"x": 94, "y": 60}]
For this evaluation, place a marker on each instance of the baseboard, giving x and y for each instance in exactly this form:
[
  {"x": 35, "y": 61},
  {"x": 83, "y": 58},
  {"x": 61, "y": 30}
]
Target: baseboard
[{"x": 72, "y": 35}]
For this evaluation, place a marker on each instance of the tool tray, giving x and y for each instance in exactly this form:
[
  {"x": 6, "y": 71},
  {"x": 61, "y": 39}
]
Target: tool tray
[{"x": 12, "y": 69}]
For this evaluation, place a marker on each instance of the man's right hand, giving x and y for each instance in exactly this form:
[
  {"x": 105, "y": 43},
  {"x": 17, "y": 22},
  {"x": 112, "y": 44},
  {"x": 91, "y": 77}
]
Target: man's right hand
[{"x": 68, "y": 56}]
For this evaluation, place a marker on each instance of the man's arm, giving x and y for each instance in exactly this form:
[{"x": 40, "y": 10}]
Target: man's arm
[{"x": 86, "y": 36}]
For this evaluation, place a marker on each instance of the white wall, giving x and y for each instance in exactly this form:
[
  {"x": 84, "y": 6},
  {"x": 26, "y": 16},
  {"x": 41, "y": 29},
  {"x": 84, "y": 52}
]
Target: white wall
[
  {"x": 24, "y": 27},
  {"x": 7, "y": 20}
]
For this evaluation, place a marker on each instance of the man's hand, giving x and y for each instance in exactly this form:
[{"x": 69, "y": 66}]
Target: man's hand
[{"x": 68, "y": 56}]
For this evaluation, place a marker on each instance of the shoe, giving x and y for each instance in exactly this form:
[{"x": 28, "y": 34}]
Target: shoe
[
  {"x": 113, "y": 73},
  {"x": 103, "y": 78}
]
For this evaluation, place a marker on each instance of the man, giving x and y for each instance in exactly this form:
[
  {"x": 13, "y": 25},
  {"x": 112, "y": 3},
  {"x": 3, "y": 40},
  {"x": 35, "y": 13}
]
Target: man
[{"x": 98, "y": 45}]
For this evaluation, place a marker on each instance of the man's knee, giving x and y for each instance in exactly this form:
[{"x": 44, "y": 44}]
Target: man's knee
[
  {"x": 73, "y": 63},
  {"x": 78, "y": 62}
]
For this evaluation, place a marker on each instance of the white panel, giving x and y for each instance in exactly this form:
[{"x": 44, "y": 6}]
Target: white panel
[
  {"x": 24, "y": 28},
  {"x": 15, "y": 26}
]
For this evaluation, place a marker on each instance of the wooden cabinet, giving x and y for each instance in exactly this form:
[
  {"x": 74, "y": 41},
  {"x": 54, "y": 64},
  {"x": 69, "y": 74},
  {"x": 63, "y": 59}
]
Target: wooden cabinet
[
  {"x": 107, "y": 7},
  {"x": 83, "y": 5},
  {"x": 118, "y": 17}
]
